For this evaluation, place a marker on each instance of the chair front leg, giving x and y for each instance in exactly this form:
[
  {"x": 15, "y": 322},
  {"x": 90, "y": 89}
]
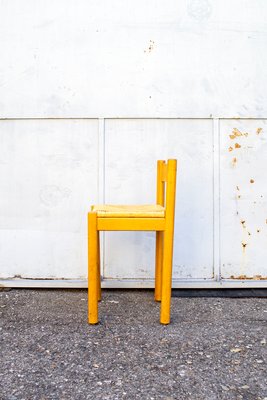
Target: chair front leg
[
  {"x": 165, "y": 311},
  {"x": 93, "y": 283},
  {"x": 158, "y": 265},
  {"x": 98, "y": 267}
]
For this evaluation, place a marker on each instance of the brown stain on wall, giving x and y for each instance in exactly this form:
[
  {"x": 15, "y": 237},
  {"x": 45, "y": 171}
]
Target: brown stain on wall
[
  {"x": 237, "y": 133},
  {"x": 245, "y": 277},
  {"x": 234, "y": 161},
  {"x": 150, "y": 47}
]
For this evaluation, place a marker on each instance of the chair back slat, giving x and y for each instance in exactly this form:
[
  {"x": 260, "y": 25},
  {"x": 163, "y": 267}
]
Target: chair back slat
[
  {"x": 164, "y": 172},
  {"x": 166, "y": 184},
  {"x": 160, "y": 183}
]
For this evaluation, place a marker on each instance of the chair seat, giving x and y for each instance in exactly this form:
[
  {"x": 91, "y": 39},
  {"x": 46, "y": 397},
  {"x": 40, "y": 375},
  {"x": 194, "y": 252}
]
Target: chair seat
[{"x": 142, "y": 211}]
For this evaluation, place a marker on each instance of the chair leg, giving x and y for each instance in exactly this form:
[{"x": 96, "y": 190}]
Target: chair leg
[
  {"x": 158, "y": 265},
  {"x": 92, "y": 270},
  {"x": 98, "y": 267},
  {"x": 165, "y": 311}
]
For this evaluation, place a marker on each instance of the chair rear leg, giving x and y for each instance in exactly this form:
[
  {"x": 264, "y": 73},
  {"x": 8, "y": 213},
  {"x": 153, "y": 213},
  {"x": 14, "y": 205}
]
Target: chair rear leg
[
  {"x": 93, "y": 287},
  {"x": 98, "y": 267},
  {"x": 165, "y": 311},
  {"x": 158, "y": 265}
]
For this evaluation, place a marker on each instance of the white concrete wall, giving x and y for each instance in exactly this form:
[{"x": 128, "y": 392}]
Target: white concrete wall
[
  {"x": 48, "y": 178},
  {"x": 90, "y": 87},
  {"x": 116, "y": 58}
]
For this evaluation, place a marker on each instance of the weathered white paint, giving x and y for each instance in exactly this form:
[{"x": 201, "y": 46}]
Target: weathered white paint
[
  {"x": 52, "y": 170},
  {"x": 116, "y": 58},
  {"x": 244, "y": 199},
  {"x": 125, "y": 84},
  {"x": 48, "y": 177},
  {"x": 132, "y": 148},
  {"x": 216, "y": 201}
]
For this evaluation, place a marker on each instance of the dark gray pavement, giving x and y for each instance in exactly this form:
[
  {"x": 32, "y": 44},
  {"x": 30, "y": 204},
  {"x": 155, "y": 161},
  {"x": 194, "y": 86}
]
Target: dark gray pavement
[{"x": 214, "y": 348}]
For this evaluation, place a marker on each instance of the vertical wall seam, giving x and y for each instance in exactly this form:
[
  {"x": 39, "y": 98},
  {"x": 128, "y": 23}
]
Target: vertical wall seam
[{"x": 216, "y": 200}]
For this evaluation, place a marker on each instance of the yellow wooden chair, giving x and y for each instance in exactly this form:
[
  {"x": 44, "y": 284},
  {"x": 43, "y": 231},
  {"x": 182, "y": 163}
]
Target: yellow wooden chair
[{"x": 159, "y": 218}]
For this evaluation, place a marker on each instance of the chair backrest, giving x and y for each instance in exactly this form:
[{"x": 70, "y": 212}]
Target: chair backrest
[{"x": 166, "y": 185}]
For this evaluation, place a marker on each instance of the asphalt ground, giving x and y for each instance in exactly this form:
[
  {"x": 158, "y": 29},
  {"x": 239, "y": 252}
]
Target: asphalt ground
[{"x": 214, "y": 348}]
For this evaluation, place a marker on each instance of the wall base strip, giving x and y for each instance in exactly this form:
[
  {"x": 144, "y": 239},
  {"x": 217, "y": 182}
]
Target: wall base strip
[{"x": 131, "y": 284}]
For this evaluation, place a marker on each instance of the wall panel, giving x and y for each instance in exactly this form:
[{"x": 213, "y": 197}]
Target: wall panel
[
  {"x": 48, "y": 179},
  {"x": 132, "y": 148},
  {"x": 243, "y": 199}
]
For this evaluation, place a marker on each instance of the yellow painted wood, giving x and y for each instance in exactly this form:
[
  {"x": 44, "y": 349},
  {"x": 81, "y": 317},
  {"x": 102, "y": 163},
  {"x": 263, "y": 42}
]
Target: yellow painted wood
[
  {"x": 159, "y": 218},
  {"x": 164, "y": 172},
  {"x": 168, "y": 244},
  {"x": 98, "y": 267},
  {"x": 158, "y": 265},
  {"x": 130, "y": 224},
  {"x": 128, "y": 211},
  {"x": 93, "y": 287},
  {"x": 160, "y": 183},
  {"x": 159, "y": 235}
]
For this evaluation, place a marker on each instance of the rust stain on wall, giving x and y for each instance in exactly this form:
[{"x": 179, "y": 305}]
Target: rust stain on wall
[
  {"x": 245, "y": 277},
  {"x": 237, "y": 133},
  {"x": 234, "y": 161},
  {"x": 245, "y": 142}
]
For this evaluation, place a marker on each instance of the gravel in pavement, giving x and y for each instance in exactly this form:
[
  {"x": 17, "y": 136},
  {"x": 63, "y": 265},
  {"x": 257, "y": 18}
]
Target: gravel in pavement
[{"x": 214, "y": 348}]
